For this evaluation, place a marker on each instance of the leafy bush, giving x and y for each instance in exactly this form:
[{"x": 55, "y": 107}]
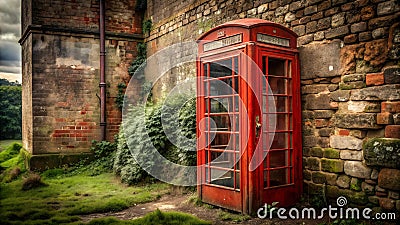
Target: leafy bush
[
  {"x": 182, "y": 148},
  {"x": 11, "y": 112}
]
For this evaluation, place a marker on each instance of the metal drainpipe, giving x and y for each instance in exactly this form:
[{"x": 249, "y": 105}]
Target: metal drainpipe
[{"x": 102, "y": 84}]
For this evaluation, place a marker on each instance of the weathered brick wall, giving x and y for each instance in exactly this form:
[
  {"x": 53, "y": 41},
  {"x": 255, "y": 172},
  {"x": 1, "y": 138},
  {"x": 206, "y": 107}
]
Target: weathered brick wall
[
  {"x": 349, "y": 54},
  {"x": 84, "y": 15},
  {"x": 61, "y": 57}
]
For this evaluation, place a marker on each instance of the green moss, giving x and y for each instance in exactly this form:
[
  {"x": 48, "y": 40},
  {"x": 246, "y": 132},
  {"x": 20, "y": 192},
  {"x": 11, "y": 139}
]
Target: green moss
[
  {"x": 332, "y": 165},
  {"x": 355, "y": 184},
  {"x": 331, "y": 153},
  {"x": 382, "y": 152},
  {"x": 352, "y": 85},
  {"x": 10, "y": 151},
  {"x": 16, "y": 165},
  {"x": 359, "y": 198},
  {"x": 353, "y": 78},
  {"x": 5, "y": 143},
  {"x": 316, "y": 151}
]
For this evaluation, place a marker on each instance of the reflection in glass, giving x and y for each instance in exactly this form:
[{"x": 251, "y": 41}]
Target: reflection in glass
[
  {"x": 280, "y": 141},
  {"x": 277, "y": 85},
  {"x": 222, "y": 177},
  {"x": 278, "y": 158},
  {"x": 221, "y": 68},
  {"x": 276, "y": 67},
  {"x": 278, "y": 177}
]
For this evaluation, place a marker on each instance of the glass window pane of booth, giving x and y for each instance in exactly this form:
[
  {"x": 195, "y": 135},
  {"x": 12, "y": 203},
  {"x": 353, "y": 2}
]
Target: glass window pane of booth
[
  {"x": 277, "y": 164},
  {"x": 222, "y": 115}
]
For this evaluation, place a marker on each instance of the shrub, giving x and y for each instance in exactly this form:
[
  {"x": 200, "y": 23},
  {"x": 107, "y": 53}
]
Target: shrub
[
  {"x": 180, "y": 150},
  {"x": 33, "y": 180}
]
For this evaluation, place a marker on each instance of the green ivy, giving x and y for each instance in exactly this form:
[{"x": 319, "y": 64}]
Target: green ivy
[
  {"x": 182, "y": 152},
  {"x": 139, "y": 60},
  {"x": 147, "y": 25},
  {"x": 119, "y": 100}
]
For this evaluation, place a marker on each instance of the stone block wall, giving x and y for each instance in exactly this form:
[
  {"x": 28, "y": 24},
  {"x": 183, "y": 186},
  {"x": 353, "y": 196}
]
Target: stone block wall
[
  {"x": 61, "y": 63},
  {"x": 350, "y": 71}
]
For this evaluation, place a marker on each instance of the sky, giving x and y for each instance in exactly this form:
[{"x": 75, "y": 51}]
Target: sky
[{"x": 10, "y": 32}]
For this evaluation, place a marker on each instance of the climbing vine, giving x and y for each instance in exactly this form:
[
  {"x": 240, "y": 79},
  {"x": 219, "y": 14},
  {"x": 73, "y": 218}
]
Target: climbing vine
[{"x": 147, "y": 25}]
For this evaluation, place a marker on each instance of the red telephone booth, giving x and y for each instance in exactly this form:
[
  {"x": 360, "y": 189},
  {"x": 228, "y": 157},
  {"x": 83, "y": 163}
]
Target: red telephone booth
[{"x": 249, "y": 116}]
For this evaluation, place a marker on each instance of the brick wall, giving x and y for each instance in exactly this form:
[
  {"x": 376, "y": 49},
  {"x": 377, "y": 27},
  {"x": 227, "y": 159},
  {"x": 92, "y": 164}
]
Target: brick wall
[
  {"x": 350, "y": 70},
  {"x": 84, "y": 15},
  {"x": 61, "y": 63}
]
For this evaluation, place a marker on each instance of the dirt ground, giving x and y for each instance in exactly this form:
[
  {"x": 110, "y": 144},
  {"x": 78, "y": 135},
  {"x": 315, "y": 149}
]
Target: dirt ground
[{"x": 181, "y": 203}]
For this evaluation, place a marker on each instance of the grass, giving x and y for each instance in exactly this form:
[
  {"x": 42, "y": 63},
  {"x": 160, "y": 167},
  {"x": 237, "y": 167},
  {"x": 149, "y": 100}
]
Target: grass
[
  {"x": 5, "y": 143},
  {"x": 237, "y": 218},
  {"x": 64, "y": 198},
  {"x": 59, "y": 196},
  {"x": 157, "y": 217}
]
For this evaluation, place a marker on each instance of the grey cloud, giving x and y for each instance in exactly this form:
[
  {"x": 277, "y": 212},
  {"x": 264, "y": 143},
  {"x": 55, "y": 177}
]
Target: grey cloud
[
  {"x": 9, "y": 51},
  {"x": 10, "y": 29},
  {"x": 10, "y": 17},
  {"x": 11, "y": 69},
  {"x": 10, "y": 11}
]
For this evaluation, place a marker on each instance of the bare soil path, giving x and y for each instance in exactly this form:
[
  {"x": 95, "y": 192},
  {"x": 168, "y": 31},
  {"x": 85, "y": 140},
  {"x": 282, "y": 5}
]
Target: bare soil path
[{"x": 180, "y": 203}]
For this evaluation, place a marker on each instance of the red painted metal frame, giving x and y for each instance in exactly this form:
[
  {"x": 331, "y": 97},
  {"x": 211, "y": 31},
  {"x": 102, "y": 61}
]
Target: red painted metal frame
[{"x": 252, "y": 193}]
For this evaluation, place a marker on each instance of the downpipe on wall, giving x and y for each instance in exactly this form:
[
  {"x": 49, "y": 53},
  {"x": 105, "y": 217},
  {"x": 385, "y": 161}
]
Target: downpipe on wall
[{"x": 102, "y": 84}]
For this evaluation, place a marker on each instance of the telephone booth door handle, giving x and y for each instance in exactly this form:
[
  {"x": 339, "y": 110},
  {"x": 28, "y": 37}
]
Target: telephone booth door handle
[{"x": 258, "y": 126}]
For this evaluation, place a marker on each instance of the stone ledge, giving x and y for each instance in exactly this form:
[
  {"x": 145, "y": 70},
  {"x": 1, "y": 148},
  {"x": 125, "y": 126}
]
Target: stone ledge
[{"x": 50, "y": 161}]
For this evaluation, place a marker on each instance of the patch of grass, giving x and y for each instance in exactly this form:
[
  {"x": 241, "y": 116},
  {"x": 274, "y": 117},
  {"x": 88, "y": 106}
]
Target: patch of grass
[
  {"x": 13, "y": 161},
  {"x": 10, "y": 151},
  {"x": 67, "y": 196},
  {"x": 54, "y": 173},
  {"x": 195, "y": 200},
  {"x": 153, "y": 218},
  {"x": 5, "y": 143},
  {"x": 238, "y": 218},
  {"x": 168, "y": 218}
]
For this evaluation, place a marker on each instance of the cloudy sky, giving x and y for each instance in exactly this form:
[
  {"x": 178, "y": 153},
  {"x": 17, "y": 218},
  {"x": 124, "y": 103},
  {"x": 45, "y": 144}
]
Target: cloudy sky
[{"x": 10, "y": 31}]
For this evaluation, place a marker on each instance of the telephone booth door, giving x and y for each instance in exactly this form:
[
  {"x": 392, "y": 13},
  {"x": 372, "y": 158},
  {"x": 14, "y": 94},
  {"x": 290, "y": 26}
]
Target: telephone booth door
[{"x": 248, "y": 116}]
